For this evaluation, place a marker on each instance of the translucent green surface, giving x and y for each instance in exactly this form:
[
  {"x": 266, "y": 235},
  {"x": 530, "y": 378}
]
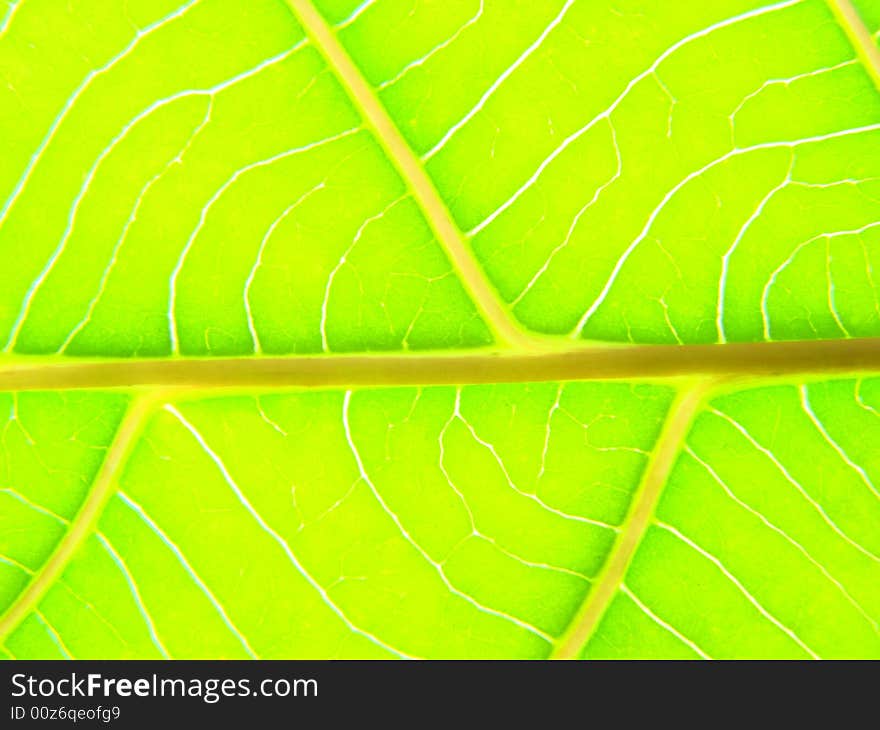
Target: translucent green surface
[{"x": 375, "y": 182}]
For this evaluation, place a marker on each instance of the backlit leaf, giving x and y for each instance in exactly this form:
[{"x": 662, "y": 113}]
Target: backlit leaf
[{"x": 372, "y": 329}]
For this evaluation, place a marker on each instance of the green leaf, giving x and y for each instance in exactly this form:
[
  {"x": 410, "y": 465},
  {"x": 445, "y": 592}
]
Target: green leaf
[{"x": 475, "y": 328}]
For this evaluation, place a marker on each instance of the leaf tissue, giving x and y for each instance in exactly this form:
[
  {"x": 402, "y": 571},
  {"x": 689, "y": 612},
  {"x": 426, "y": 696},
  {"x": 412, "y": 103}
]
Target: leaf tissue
[{"x": 449, "y": 329}]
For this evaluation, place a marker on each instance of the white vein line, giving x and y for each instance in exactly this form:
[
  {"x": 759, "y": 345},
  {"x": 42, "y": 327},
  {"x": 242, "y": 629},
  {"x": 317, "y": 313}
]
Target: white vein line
[
  {"x": 475, "y": 530},
  {"x": 725, "y": 260},
  {"x": 791, "y": 480},
  {"x": 829, "y": 279},
  {"x": 672, "y": 102},
  {"x": 869, "y": 275},
  {"x": 846, "y": 181},
  {"x": 268, "y": 421},
  {"x": 546, "y": 447},
  {"x": 203, "y": 216},
  {"x": 92, "y": 610},
  {"x": 571, "y": 139},
  {"x": 574, "y": 223},
  {"x": 132, "y": 218},
  {"x": 528, "y": 495},
  {"x": 12, "y": 8},
  {"x": 441, "y": 441},
  {"x": 6, "y": 560},
  {"x": 356, "y": 13},
  {"x": 666, "y": 316},
  {"x": 663, "y": 624},
  {"x": 280, "y": 541},
  {"x": 742, "y": 589},
  {"x": 497, "y": 83},
  {"x": 160, "y": 533},
  {"x": 105, "y": 153},
  {"x": 53, "y": 634},
  {"x": 138, "y": 599},
  {"x": 15, "y": 494},
  {"x": 249, "y": 282},
  {"x": 438, "y": 567},
  {"x": 772, "y": 279},
  {"x": 787, "y": 81},
  {"x": 693, "y": 176},
  {"x": 15, "y": 417},
  {"x": 782, "y": 533},
  {"x": 437, "y": 49},
  {"x": 531, "y": 563},
  {"x": 771, "y": 282},
  {"x": 91, "y": 76},
  {"x": 857, "y": 393},
  {"x": 325, "y": 345},
  {"x": 863, "y": 475}
]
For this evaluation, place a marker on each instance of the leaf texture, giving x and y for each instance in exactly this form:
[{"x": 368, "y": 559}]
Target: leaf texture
[{"x": 371, "y": 329}]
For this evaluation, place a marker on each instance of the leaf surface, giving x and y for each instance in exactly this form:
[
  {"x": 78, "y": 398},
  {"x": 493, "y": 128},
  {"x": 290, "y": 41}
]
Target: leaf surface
[{"x": 357, "y": 328}]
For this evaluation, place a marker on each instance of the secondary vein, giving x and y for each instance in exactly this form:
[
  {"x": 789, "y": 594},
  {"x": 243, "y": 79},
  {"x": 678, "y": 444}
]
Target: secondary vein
[
  {"x": 668, "y": 446},
  {"x": 410, "y": 168},
  {"x": 82, "y": 526},
  {"x": 860, "y": 37}
]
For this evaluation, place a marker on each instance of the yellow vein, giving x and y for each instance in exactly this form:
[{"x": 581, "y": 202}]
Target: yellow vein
[
  {"x": 576, "y": 362},
  {"x": 609, "y": 581},
  {"x": 411, "y": 170},
  {"x": 860, "y": 37},
  {"x": 84, "y": 523}
]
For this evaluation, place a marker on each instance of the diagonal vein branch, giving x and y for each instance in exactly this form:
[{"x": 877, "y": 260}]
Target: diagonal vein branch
[
  {"x": 83, "y": 525},
  {"x": 860, "y": 37},
  {"x": 410, "y": 168},
  {"x": 678, "y": 423}
]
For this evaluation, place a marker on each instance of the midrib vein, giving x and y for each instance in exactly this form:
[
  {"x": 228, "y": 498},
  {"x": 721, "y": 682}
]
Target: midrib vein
[
  {"x": 678, "y": 423},
  {"x": 414, "y": 175},
  {"x": 860, "y": 37},
  {"x": 596, "y": 362},
  {"x": 85, "y": 520}
]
